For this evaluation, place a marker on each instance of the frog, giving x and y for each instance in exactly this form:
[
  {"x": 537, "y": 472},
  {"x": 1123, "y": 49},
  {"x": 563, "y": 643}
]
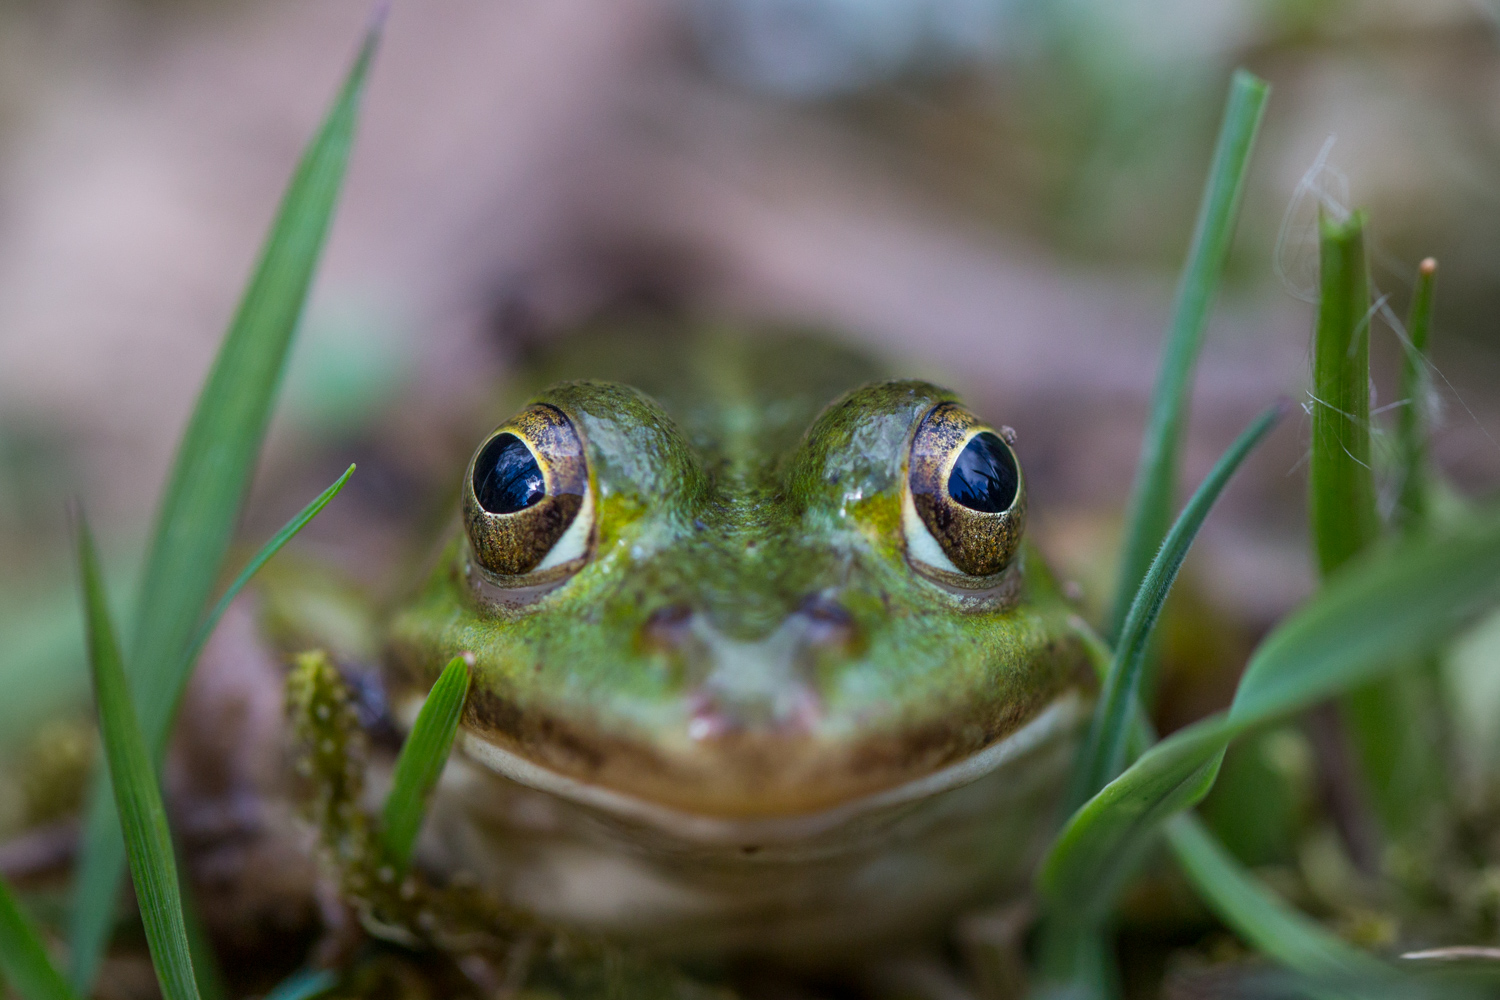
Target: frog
[{"x": 762, "y": 663}]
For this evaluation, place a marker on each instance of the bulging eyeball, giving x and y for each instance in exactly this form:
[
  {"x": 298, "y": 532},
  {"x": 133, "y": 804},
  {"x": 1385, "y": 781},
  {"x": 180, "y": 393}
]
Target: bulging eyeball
[
  {"x": 965, "y": 504},
  {"x": 527, "y": 506}
]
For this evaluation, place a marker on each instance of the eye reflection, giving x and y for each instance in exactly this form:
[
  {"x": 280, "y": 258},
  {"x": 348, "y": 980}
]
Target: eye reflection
[
  {"x": 984, "y": 478},
  {"x": 506, "y": 476}
]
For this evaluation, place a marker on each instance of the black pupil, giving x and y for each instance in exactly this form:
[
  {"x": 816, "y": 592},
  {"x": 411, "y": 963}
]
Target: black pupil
[
  {"x": 506, "y": 476},
  {"x": 984, "y": 478}
]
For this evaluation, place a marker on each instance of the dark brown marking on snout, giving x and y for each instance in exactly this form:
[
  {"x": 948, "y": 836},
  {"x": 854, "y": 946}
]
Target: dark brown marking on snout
[
  {"x": 490, "y": 714},
  {"x": 667, "y": 628},
  {"x": 829, "y": 624}
]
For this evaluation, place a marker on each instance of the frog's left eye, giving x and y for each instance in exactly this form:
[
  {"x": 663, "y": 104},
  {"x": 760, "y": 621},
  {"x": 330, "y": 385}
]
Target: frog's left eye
[
  {"x": 527, "y": 504},
  {"x": 965, "y": 503}
]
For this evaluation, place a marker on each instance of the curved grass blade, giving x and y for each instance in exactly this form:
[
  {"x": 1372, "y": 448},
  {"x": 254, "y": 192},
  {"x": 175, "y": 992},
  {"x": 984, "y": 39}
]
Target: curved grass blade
[
  {"x": 23, "y": 957},
  {"x": 208, "y": 483},
  {"x": 1104, "y": 751},
  {"x": 211, "y": 982},
  {"x": 101, "y": 822},
  {"x": 1073, "y": 966},
  {"x": 262, "y": 556},
  {"x": 1379, "y": 613},
  {"x": 422, "y": 759},
  {"x": 1152, "y": 496},
  {"x": 143, "y": 818},
  {"x": 1257, "y": 915},
  {"x": 1075, "y": 961},
  {"x": 223, "y": 438},
  {"x": 1332, "y": 967}
]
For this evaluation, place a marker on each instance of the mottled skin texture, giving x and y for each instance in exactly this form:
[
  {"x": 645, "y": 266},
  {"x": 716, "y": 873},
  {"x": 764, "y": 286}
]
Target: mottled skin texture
[{"x": 747, "y": 637}]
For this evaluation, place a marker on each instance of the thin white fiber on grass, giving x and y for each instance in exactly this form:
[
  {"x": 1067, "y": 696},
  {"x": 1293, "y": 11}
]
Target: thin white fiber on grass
[{"x": 1323, "y": 187}]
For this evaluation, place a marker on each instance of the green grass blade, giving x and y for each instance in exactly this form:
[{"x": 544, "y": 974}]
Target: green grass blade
[
  {"x": 1333, "y": 968},
  {"x": 143, "y": 818},
  {"x": 1104, "y": 751},
  {"x": 1152, "y": 497},
  {"x": 264, "y": 555},
  {"x": 1340, "y": 479},
  {"x": 1412, "y": 781},
  {"x": 96, "y": 885},
  {"x": 218, "y": 453},
  {"x": 209, "y": 480},
  {"x": 304, "y": 985},
  {"x": 1384, "y": 719},
  {"x": 422, "y": 759},
  {"x": 1380, "y": 612},
  {"x": 1416, "y": 386},
  {"x": 1153, "y": 494},
  {"x": 23, "y": 957},
  {"x": 102, "y": 831},
  {"x": 211, "y": 982},
  {"x": 1075, "y": 961},
  {"x": 1255, "y": 913}
]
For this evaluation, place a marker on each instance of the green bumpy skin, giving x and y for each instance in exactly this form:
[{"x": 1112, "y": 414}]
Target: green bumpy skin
[{"x": 745, "y": 660}]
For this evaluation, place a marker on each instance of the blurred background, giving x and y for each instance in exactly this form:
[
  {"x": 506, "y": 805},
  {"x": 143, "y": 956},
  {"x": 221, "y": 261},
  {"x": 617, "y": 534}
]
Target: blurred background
[{"x": 996, "y": 194}]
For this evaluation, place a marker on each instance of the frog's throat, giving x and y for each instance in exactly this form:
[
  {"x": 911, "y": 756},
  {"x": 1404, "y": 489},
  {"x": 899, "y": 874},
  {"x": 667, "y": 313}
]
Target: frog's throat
[{"x": 1059, "y": 720}]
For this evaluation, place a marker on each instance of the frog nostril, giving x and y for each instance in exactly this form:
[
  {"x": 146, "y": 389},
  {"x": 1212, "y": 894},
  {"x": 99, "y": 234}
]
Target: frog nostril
[
  {"x": 829, "y": 623},
  {"x": 669, "y": 627}
]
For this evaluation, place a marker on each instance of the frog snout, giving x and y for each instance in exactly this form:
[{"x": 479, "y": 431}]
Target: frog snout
[{"x": 767, "y": 684}]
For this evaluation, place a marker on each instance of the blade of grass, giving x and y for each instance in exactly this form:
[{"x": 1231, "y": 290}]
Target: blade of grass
[
  {"x": 218, "y": 453},
  {"x": 1380, "y": 612},
  {"x": 1258, "y": 916},
  {"x": 1239, "y": 899},
  {"x": 1104, "y": 751},
  {"x": 1341, "y": 500},
  {"x": 1333, "y": 968},
  {"x": 1073, "y": 964},
  {"x": 1152, "y": 497},
  {"x": 96, "y": 884},
  {"x": 1397, "y": 759},
  {"x": 1416, "y": 386},
  {"x": 1072, "y": 944},
  {"x": 1075, "y": 961},
  {"x": 262, "y": 556},
  {"x": 23, "y": 957},
  {"x": 211, "y": 982},
  {"x": 208, "y": 483},
  {"x": 422, "y": 759},
  {"x": 101, "y": 824},
  {"x": 143, "y": 818},
  {"x": 1419, "y": 775},
  {"x": 1074, "y": 957}
]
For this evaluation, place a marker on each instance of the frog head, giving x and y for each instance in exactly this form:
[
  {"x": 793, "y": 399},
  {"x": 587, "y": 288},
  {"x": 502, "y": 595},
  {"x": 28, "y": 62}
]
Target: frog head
[{"x": 769, "y": 616}]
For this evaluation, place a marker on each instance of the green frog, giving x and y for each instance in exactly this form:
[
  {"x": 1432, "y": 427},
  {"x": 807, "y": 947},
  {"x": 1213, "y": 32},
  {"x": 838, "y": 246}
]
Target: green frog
[{"x": 761, "y": 661}]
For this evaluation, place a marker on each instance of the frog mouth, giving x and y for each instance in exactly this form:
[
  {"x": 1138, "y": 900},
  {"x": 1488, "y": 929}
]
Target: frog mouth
[{"x": 1057, "y": 721}]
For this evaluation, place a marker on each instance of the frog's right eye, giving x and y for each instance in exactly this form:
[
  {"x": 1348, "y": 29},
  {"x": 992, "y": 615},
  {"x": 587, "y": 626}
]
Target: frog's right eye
[
  {"x": 527, "y": 505},
  {"x": 965, "y": 501}
]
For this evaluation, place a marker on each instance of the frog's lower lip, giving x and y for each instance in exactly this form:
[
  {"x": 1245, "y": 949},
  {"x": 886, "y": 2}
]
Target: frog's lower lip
[{"x": 1058, "y": 720}]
